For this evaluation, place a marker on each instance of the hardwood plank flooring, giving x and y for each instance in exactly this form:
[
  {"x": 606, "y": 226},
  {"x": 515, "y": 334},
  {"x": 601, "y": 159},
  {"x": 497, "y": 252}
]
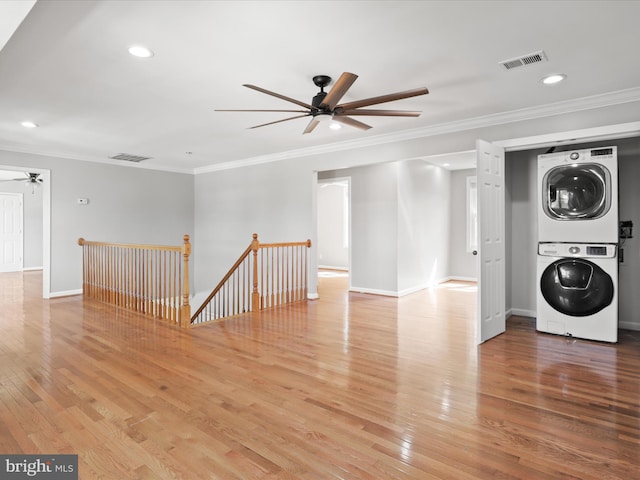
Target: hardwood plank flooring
[{"x": 350, "y": 386}]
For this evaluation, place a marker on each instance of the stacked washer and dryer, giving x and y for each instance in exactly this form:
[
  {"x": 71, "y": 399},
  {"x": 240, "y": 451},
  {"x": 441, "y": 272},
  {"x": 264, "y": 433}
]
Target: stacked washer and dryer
[{"x": 577, "y": 268}]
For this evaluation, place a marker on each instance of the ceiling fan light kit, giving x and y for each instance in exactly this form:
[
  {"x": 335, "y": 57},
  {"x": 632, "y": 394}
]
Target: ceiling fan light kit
[{"x": 324, "y": 105}]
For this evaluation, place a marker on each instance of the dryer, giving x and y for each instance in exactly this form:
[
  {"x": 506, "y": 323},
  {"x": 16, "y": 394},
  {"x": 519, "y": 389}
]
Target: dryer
[
  {"x": 578, "y": 196},
  {"x": 578, "y": 290}
]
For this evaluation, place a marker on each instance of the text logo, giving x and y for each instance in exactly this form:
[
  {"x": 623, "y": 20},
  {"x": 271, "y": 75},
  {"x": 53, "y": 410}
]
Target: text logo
[{"x": 49, "y": 467}]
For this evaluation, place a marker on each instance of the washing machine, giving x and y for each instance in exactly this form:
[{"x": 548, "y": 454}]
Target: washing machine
[
  {"x": 578, "y": 290},
  {"x": 578, "y": 196}
]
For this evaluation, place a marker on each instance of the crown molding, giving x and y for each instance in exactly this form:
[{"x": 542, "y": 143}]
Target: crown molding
[{"x": 541, "y": 111}]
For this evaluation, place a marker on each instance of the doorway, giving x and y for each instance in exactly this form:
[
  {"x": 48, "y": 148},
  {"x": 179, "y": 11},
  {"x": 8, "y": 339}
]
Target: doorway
[
  {"x": 36, "y": 218},
  {"x": 334, "y": 226}
]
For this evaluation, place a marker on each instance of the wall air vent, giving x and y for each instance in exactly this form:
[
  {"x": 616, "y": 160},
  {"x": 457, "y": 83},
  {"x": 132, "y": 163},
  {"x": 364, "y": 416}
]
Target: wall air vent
[
  {"x": 524, "y": 60},
  {"x": 127, "y": 157}
]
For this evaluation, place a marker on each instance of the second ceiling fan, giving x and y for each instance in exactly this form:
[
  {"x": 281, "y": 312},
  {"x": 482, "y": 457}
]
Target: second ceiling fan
[{"x": 325, "y": 104}]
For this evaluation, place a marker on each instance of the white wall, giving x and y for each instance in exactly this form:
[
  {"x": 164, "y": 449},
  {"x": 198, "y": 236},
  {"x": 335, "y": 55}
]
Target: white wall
[
  {"x": 424, "y": 199},
  {"x": 374, "y": 212},
  {"x": 126, "y": 204},
  {"x": 273, "y": 200},
  {"x": 462, "y": 264},
  {"x": 522, "y": 233}
]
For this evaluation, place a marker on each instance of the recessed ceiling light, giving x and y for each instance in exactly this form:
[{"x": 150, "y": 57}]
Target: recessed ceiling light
[
  {"x": 140, "y": 51},
  {"x": 554, "y": 78},
  {"x": 29, "y": 124}
]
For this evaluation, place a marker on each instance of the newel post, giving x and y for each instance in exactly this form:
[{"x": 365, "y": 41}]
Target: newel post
[
  {"x": 185, "y": 308},
  {"x": 255, "y": 295},
  {"x": 81, "y": 242}
]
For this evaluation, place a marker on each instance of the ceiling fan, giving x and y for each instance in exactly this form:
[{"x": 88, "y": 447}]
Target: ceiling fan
[
  {"x": 32, "y": 179},
  {"x": 325, "y": 106}
]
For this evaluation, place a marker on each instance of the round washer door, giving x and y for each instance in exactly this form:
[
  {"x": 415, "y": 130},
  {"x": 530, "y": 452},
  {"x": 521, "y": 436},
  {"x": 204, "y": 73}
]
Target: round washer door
[
  {"x": 576, "y": 287},
  {"x": 576, "y": 192}
]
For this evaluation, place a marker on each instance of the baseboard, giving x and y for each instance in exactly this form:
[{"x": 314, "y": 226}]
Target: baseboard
[
  {"x": 374, "y": 291},
  {"x": 462, "y": 279},
  {"x": 520, "y": 312},
  {"x": 628, "y": 326},
  {"x": 30, "y": 269},
  {"x": 409, "y": 291},
  {"x": 401, "y": 293},
  {"x": 330, "y": 267},
  {"x": 68, "y": 293}
]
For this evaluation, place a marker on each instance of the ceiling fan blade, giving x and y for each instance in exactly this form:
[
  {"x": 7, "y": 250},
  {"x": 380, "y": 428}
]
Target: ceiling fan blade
[
  {"x": 351, "y": 122},
  {"x": 338, "y": 90},
  {"x": 293, "y": 111},
  {"x": 378, "y": 113},
  {"x": 384, "y": 98},
  {"x": 277, "y": 95},
  {"x": 279, "y": 121},
  {"x": 312, "y": 124}
]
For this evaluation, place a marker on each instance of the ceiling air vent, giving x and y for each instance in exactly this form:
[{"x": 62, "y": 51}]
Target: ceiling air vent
[
  {"x": 524, "y": 60},
  {"x": 127, "y": 157}
]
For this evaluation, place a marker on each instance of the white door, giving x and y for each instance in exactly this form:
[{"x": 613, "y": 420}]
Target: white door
[
  {"x": 10, "y": 232},
  {"x": 491, "y": 242}
]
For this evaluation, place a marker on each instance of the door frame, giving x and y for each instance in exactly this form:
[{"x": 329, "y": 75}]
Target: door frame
[
  {"x": 593, "y": 134},
  {"x": 45, "y": 175}
]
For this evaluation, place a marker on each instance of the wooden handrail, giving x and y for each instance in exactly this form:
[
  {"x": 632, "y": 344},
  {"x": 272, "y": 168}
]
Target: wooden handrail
[
  {"x": 170, "y": 248},
  {"x": 151, "y": 279},
  {"x": 258, "y": 282}
]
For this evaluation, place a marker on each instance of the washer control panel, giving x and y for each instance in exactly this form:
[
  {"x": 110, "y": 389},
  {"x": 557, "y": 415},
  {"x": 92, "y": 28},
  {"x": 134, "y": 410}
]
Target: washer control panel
[{"x": 578, "y": 250}]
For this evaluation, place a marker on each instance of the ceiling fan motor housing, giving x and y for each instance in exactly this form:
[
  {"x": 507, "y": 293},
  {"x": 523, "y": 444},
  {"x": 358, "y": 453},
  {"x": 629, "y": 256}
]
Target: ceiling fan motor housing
[
  {"x": 320, "y": 81},
  {"x": 317, "y": 100}
]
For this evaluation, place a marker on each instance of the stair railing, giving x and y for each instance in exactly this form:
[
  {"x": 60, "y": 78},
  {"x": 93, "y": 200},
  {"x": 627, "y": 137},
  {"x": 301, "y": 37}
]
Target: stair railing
[
  {"x": 264, "y": 276},
  {"x": 150, "y": 279}
]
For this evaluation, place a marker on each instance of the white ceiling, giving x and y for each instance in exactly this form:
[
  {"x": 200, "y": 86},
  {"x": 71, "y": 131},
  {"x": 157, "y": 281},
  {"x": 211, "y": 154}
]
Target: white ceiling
[
  {"x": 9, "y": 175},
  {"x": 66, "y": 68}
]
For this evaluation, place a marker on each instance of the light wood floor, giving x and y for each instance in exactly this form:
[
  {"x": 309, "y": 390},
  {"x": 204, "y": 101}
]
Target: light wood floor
[{"x": 350, "y": 386}]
